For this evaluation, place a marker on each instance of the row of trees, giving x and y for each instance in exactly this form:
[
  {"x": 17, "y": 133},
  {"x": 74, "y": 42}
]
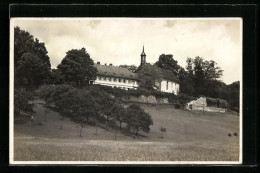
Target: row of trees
[{"x": 95, "y": 106}]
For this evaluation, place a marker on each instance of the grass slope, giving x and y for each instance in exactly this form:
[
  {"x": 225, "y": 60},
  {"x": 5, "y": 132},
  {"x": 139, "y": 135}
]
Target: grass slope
[{"x": 190, "y": 136}]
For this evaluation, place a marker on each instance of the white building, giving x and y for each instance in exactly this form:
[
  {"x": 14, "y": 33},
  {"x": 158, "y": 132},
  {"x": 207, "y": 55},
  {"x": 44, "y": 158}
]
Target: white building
[
  {"x": 115, "y": 77},
  {"x": 169, "y": 86},
  {"x": 168, "y": 83}
]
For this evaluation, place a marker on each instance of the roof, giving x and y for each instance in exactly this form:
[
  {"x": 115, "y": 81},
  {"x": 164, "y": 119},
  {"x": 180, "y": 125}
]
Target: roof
[
  {"x": 114, "y": 71},
  {"x": 168, "y": 75}
]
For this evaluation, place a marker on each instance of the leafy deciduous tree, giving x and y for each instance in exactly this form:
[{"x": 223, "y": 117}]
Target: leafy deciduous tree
[
  {"x": 137, "y": 119},
  {"x": 77, "y": 67},
  {"x": 21, "y": 102},
  {"x": 31, "y": 62},
  {"x": 149, "y": 76},
  {"x": 167, "y": 62}
]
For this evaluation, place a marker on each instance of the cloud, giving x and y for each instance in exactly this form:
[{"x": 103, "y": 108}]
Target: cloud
[{"x": 119, "y": 41}]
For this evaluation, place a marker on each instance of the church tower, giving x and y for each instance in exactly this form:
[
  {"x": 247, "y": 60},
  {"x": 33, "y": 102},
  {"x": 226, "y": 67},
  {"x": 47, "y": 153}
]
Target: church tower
[{"x": 143, "y": 58}]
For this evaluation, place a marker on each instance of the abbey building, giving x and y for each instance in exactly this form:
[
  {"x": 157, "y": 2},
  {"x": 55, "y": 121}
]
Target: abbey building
[{"x": 119, "y": 77}]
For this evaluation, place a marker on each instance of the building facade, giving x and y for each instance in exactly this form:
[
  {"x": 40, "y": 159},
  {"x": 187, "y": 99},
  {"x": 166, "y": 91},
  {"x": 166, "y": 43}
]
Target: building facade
[
  {"x": 169, "y": 86},
  {"x": 114, "y": 76}
]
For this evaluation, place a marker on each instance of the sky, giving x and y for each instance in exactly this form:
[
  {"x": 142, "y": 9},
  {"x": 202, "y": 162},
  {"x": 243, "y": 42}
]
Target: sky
[{"x": 120, "y": 40}]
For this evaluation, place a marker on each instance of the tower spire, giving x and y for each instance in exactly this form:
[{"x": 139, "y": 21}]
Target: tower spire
[{"x": 143, "y": 57}]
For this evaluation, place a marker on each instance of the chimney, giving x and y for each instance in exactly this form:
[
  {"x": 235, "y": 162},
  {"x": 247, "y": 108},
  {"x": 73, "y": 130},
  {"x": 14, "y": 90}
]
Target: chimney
[
  {"x": 98, "y": 63},
  {"x": 105, "y": 64},
  {"x": 110, "y": 64}
]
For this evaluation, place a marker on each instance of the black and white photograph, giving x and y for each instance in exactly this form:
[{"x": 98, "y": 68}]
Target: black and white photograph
[{"x": 125, "y": 90}]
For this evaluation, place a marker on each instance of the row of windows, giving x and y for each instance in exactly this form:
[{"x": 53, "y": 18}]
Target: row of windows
[
  {"x": 168, "y": 85},
  {"x": 115, "y": 79}
]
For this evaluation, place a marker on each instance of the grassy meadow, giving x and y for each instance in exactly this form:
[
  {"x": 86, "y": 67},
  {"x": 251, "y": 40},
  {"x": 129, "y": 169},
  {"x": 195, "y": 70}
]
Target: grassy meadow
[{"x": 190, "y": 136}]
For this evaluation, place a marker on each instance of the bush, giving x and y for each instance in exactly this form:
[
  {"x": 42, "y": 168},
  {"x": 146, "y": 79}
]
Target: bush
[
  {"x": 126, "y": 94},
  {"x": 217, "y": 102},
  {"x": 184, "y": 98},
  {"x": 177, "y": 106}
]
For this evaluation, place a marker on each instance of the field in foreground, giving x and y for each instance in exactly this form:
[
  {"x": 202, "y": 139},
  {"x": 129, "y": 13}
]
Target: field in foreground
[{"x": 190, "y": 136}]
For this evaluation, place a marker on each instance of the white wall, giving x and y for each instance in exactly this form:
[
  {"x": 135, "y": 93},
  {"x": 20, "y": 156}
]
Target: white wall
[
  {"x": 114, "y": 82},
  {"x": 172, "y": 87}
]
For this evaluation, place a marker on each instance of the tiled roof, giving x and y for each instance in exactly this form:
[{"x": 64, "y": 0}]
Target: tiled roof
[
  {"x": 114, "y": 71},
  {"x": 168, "y": 75}
]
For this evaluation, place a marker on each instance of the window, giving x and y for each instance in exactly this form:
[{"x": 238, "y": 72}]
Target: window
[
  {"x": 99, "y": 78},
  {"x": 109, "y": 79},
  {"x": 119, "y": 80},
  {"x": 167, "y": 85},
  {"x": 129, "y": 81},
  {"x": 124, "y": 81},
  {"x": 114, "y": 79}
]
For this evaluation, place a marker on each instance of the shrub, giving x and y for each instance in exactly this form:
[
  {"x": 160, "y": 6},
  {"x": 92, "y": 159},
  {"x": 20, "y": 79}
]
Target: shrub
[
  {"x": 184, "y": 98},
  {"x": 177, "y": 106},
  {"x": 217, "y": 102}
]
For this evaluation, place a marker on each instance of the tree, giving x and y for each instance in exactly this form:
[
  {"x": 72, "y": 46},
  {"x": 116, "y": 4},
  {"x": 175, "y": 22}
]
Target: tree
[
  {"x": 119, "y": 113},
  {"x": 186, "y": 82},
  {"x": 85, "y": 106},
  {"x": 149, "y": 77},
  {"x": 77, "y": 67},
  {"x": 31, "y": 62},
  {"x": 200, "y": 76},
  {"x": 233, "y": 95},
  {"x": 31, "y": 71},
  {"x": 55, "y": 77},
  {"x": 163, "y": 130},
  {"x": 21, "y": 102},
  {"x": 137, "y": 119},
  {"x": 211, "y": 70},
  {"x": 23, "y": 43},
  {"x": 45, "y": 114},
  {"x": 167, "y": 62}
]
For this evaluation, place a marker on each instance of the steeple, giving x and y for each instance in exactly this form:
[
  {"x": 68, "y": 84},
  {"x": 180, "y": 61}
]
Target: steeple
[{"x": 143, "y": 57}]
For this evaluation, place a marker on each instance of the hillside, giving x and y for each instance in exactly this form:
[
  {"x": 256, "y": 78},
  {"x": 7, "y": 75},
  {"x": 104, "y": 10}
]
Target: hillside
[{"x": 190, "y": 136}]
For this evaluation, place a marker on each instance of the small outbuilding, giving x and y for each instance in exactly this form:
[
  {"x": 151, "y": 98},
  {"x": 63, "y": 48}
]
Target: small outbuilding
[{"x": 201, "y": 105}]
